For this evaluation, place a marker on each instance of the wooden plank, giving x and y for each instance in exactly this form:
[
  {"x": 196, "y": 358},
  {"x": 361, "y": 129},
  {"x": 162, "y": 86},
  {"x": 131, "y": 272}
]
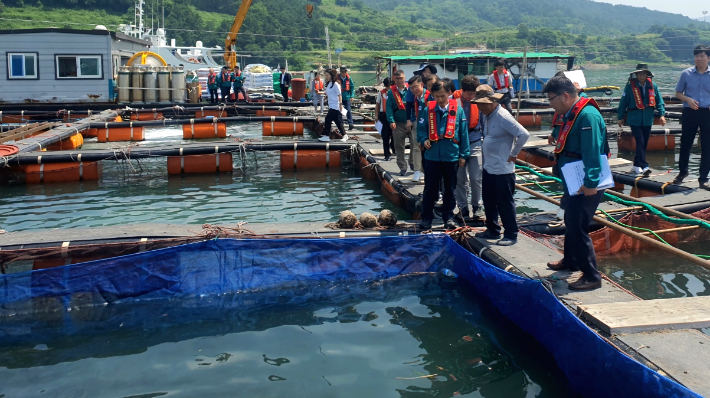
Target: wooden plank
[
  {"x": 650, "y": 315},
  {"x": 22, "y": 132},
  {"x": 536, "y": 143}
]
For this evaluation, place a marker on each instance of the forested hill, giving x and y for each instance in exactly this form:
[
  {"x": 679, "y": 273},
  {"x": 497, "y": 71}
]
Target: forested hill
[{"x": 575, "y": 16}]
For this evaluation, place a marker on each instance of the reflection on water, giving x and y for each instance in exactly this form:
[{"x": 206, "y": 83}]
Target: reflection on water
[{"x": 359, "y": 340}]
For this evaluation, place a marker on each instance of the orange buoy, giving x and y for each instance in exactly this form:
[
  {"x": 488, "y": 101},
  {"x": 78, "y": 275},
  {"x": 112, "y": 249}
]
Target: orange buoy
[
  {"x": 656, "y": 142},
  {"x": 113, "y": 134},
  {"x": 309, "y": 159},
  {"x": 90, "y": 133},
  {"x": 533, "y": 120},
  {"x": 148, "y": 116},
  {"x": 282, "y": 128},
  {"x": 7, "y": 150},
  {"x": 265, "y": 112},
  {"x": 73, "y": 142},
  {"x": 642, "y": 193},
  {"x": 62, "y": 172},
  {"x": 370, "y": 128},
  {"x": 200, "y": 164},
  {"x": 204, "y": 130}
]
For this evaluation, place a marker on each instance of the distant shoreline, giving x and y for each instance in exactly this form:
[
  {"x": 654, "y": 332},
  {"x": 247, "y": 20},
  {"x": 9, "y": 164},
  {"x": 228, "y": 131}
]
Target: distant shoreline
[{"x": 629, "y": 66}]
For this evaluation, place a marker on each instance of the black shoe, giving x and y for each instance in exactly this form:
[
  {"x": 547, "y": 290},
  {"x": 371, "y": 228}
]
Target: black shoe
[
  {"x": 585, "y": 284},
  {"x": 679, "y": 178},
  {"x": 450, "y": 225},
  {"x": 350, "y": 127},
  {"x": 387, "y": 158},
  {"x": 703, "y": 185},
  {"x": 487, "y": 235},
  {"x": 403, "y": 173},
  {"x": 425, "y": 225}
]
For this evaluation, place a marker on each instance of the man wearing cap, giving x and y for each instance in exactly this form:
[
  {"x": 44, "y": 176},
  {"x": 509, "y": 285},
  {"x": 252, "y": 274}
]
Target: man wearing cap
[
  {"x": 638, "y": 104},
  {"x": 397, "y": 118},
  {"x": 285, "y": 83},
  {"x": 421, "y": 98},
  {"x": 503, "y": 139},
  {"x": 693, "y": 89},
  {"x": 469, "y": 177},
  {"x": 502, "y": 81},
  {"x": 224, "y": 81},
  {"x": 212, "y": 85},
  {"x": 582, "y": 137},
  {"x": 443, "y": 131},
  {"x": 348, "y": 93}
]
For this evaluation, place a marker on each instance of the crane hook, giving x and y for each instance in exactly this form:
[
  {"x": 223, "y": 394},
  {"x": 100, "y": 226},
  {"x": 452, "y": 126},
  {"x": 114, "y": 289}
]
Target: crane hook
[{"x": 309, "y": 10}]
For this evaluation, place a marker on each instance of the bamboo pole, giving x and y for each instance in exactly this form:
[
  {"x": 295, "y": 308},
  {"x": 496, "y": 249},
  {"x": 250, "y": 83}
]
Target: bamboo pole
[
  {"x": 643, "y": 238},
  {"x": 665, "y": 231},
  {"x": 520, "y": 87}
]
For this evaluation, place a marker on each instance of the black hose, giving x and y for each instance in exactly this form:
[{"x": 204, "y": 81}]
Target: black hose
[{"x": 176, "y": 122}]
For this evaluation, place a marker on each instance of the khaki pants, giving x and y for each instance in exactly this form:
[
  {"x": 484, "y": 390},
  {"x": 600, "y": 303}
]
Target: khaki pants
[{"x": 400, "y": 136}]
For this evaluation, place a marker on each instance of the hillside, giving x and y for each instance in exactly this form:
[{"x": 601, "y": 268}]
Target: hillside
[
  {"x": 279, "y": 30},
  {"x": 575, "y": 16}
]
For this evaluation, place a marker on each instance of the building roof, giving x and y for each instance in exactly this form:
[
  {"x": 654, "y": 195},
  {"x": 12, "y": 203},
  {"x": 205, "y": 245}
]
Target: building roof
[
  {"x": 96, "y": 32},
  {"x": 434, "y": 57}
]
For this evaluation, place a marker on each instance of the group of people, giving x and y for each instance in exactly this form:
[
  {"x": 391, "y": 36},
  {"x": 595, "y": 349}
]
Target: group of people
[{"x": 220, "y": 85}]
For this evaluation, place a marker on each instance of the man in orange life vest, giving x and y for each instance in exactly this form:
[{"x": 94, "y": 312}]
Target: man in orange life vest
[
  {"x": 469, "y": 176},
  {"x": 581, "y": 137},
  {"x": 381, "y": 115},
  {"x": 421, "y": 98},
  {"x": 317, "y": 91},
  {"x": 502, "y": 82},
  {"x": 212, "y": 86},
  {"x": 443, "y": 131},
  {"x": 397, "y": 118}
]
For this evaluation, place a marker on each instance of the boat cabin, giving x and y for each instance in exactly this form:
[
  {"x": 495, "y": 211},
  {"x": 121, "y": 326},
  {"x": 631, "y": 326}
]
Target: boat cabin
[
  {"x": 63, "y": 65},
  {"x": 541, "y": 67}
]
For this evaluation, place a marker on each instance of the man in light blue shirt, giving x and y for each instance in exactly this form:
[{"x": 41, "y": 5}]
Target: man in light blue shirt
[{"x": 693, "y": 89}]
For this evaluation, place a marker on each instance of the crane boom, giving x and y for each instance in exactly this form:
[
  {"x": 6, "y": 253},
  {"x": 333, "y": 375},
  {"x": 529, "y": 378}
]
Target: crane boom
[{"x": 230, "y": 54}]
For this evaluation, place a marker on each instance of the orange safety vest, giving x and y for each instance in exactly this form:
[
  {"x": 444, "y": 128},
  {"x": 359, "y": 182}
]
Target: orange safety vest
[
  {"x": 457, "y": 94},
  {"x": 567, "y": 127},
  {"x": 384, "y": 99},
  {"x": 318, "y": 85},
  {"x": 347, "y": 82},
  {"x": 450, "y": 132},
  {"x": 636, "y": 89},
  {"x": 397, "y": 97},
  {"x": 506, "y": 80},
  {"x": 212, "y": 79},
  {"x": 473, "y": 118}
]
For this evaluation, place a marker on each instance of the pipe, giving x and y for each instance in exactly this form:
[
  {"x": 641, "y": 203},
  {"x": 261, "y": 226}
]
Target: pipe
[
  {"x": 177, "y": 122},
  {"x": 643, "y": 238},
  {"x": 662, "y": 209},
  {"x": 40, "y": 141},
  {"x": 94, "y": 155}
]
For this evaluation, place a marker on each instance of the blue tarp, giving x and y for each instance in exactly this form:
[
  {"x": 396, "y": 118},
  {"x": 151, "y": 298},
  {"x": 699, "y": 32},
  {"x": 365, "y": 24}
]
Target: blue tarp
[{"x": 218, "y": 267}]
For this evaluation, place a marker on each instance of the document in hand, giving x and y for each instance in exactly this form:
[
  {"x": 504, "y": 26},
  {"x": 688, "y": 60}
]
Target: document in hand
[
  {"x": 378, "y": 126},
  {"x": 344, "y": 112},
  {"x": 574, "y": 175}
]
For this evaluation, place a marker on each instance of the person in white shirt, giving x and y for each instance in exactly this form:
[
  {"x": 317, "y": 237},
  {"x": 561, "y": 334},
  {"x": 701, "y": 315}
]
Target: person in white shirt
[
  {"x": 502, "y": 81},
  {"x": 335, "y": 106},
  {"x": 503, "y": 139}
]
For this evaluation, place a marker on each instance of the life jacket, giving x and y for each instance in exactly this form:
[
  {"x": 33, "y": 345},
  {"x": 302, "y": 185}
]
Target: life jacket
[
  {"x": 212, "y": 79},
  {"x": 473, "y": 118},
  {"x": 397, "y": 97},
  {"x": 318, "y": 85},
  {"x": 238, "y": 73},
  {"x": 450, "y": 132},
  {"x": 457, "y": 94},
  {"x": 506, "y": 80},
  {"x": 557, "y": 120},
  {"x": 567, "y": 127},
  {"x": 347, "y": 82},
  {"x": 225, "y": 78},
  {"x": 636, "y": 89},
  {"x": 383, "y": 93},
  {"x": 416, "y": 108}
]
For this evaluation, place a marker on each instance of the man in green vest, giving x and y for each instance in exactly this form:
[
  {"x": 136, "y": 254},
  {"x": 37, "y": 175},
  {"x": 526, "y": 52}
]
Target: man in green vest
[
  {"x": 582, "y": 137},
  {"x": 638, "y": 104}
]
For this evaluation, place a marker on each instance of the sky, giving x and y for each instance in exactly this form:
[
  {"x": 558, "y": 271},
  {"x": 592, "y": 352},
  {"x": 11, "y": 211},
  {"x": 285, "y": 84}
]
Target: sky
[{"x": 690, "y": 8}]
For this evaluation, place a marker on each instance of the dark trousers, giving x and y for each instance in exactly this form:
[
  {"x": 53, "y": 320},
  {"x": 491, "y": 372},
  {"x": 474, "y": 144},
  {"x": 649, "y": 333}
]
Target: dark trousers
[
  {"x": 333, "y": 115},
  {"x": 497, "y": 193},
  {"x": 213, "y": 95},
  {"x": 692, "y": 121},
  {"x": 225, "y": 93},
  {"x": 579, "y": 249},
  {"x": 238, "y": 90},
  {"x": 641, "y": 134},
  {"x": 386, "y": 133},
  {"x": 284, "y": 92},
  {"x": 346, "y": 105},
  {"x": 435, "y": 172}
]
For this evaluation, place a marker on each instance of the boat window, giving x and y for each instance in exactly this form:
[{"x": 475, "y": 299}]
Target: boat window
[
  {"x": 22, "y": 66},
  {"x": 79, "y": 67}
]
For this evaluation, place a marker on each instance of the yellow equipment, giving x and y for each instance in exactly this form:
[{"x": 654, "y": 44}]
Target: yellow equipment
[{"x": 230, "y": 54}]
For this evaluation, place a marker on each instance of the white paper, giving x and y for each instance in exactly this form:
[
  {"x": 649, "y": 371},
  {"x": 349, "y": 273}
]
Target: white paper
[
  {"x": 577, "y": 76},
  {"x": 378, "y": 127},
  {"x": 344, "y": 112},
  {"x": 573, "y": 173}
]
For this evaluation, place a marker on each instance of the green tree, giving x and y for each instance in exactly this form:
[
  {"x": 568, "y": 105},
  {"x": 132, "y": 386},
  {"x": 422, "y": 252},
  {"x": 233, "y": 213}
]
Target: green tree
[{"x": 523, "y": 31}]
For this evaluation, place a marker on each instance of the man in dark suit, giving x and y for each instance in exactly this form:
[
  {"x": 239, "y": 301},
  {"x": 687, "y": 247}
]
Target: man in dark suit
[{"x": 285, "y": 83}]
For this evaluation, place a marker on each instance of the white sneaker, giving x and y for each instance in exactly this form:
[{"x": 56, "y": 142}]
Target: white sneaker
[
  {"x": 417, "y": 175},
  {"x": 635, "y": 170},
  {"x": 324, "y": 138},
  {"x": 345, "y": 138},
  {"x": 646, "y": 171}
]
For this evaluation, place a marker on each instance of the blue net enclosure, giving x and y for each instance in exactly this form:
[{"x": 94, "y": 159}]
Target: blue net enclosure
[{"x": 244, "y": 274}]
